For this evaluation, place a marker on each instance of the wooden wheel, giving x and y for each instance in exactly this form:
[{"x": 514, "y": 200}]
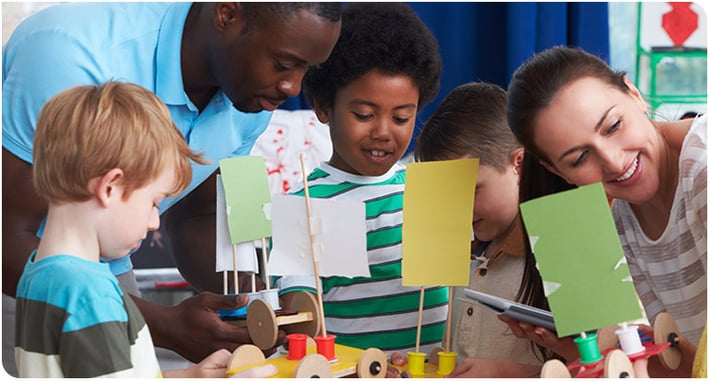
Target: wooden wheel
[
  {"x": 313, "y": 366},
  {"x": 554, "y": 369},
  {"x": 244, "y": 355},
  {"x": 618, "y": 365},
  {"x": 305, "y": 302},
  {"x": 665, "y": 330},
  {"x": 261, "y": 323},
  {"x": 372, "y": 364}
]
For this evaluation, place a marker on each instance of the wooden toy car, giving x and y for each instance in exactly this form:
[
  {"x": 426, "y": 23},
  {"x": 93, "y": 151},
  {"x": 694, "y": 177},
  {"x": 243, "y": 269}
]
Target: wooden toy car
[
  {"x": 368, "y": 363},
  {"x": 263, "y": 322},
  {"x": 614, "y": 363}
]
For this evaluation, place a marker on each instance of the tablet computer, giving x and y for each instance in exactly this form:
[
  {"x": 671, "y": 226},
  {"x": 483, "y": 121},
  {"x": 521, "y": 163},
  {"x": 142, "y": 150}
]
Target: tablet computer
[{"x": 518, "y": 311}]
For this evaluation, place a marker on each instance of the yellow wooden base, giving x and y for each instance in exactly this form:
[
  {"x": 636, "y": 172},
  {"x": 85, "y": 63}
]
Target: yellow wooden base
[{"x": 344, "y": 365}]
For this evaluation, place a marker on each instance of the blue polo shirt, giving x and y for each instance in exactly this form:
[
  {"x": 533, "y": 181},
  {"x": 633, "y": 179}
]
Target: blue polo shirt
[{"x": 75, "y": 44}]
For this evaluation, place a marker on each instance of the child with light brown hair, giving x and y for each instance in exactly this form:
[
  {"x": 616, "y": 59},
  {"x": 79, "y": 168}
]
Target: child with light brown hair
[
  {"x": 104, "y": 157},
  {"x": 471, "y": 123}
]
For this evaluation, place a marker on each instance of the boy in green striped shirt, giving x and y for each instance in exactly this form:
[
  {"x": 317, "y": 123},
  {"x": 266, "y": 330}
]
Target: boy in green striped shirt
[{"x": 383, "y": 70}]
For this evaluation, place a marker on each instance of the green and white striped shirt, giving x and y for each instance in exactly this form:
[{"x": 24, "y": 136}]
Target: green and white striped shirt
[{"x": 376, "y": 311}]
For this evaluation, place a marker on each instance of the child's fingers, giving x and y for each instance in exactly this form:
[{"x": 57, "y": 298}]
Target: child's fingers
[
  {"x": 514, "y": 326},
  {"x": 392, "y": 372},
  {"x": 398, "y": 359},
  {"x": 262, "y": 371},
  {"x": 544, "y": 337}
]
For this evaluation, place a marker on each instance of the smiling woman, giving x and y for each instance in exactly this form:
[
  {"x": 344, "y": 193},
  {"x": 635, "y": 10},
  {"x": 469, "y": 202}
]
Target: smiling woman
[{"x": 588, "y": 123}]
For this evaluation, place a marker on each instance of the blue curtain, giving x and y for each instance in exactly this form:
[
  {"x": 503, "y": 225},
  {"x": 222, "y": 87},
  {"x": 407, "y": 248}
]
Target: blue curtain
[{"x": 488, "y": 41}]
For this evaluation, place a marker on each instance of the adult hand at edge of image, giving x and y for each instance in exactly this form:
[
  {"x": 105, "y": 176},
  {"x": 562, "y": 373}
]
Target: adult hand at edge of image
[{"x": 193, "y": 328}]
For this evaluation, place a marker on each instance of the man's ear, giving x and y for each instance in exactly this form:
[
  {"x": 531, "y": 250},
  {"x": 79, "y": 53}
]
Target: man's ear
[
  {"x": 228, "y": 15},
  {"x": 107, "y": 187},
  {"x": 321, "y": 112},
  {"x": 551, "y": 168}
]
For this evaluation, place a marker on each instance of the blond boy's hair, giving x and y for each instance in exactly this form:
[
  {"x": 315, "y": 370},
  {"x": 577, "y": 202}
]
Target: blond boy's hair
[{"x": 85, "y": 131}]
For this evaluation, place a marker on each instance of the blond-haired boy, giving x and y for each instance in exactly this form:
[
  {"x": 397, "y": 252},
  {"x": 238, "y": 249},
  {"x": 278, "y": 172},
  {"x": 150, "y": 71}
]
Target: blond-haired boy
[{"x": 104, "y": 157}]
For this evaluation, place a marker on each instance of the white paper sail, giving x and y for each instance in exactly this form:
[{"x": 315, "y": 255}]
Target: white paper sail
[
  {"x": 246, "y": 251},
  {"x": 339, "y": 229}
]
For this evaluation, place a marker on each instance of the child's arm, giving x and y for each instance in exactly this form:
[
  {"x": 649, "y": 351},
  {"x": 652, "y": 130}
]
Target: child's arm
[
  {"x": 565, "y": 347},
  {"x": 215, "y": 366}
]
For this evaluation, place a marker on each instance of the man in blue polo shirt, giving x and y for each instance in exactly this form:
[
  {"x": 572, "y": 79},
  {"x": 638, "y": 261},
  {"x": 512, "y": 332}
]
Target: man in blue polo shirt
[{"x": 221, "y": 68}]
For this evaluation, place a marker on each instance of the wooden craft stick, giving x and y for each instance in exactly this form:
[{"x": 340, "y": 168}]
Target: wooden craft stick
[
  {"x": 419, "y": 319},
  {"x": 225, "y": 282},
  {"x": 236, "y": 273},
  {"x": 313, "y": 243},
  {"x": 265, "y": 261},
  {"x": 447, "y": 333},
  {"x": 253, "y": 282}
]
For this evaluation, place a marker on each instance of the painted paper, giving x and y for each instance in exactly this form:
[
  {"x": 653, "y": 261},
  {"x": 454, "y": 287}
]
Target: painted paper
[
  {"x": 247, "y": 196},
  {"x": 340, "y": 237},
  {"x": 438, "y": 213},
  {"x": 580, "y": 260}
]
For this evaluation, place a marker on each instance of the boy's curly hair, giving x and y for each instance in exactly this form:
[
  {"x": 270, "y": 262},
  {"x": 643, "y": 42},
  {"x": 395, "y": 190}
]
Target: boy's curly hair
[{"x": 388, "y": 37}]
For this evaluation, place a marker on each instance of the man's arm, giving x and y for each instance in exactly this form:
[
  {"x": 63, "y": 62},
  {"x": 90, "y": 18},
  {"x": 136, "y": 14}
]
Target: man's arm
[
  {"x": 193, "y": 329},
  {"x": 22, "y": 213}
]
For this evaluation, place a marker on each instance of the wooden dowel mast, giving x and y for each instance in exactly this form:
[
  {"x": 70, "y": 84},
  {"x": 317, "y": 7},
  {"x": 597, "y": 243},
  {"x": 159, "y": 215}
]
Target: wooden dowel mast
[
  {"x": 309, "y": 215},
  {"x": 265, "y": 261},
  {"x": 447, "y": 340},
  {"x": 419, "y": 319},
  {"x": 235, "y": 273}
]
